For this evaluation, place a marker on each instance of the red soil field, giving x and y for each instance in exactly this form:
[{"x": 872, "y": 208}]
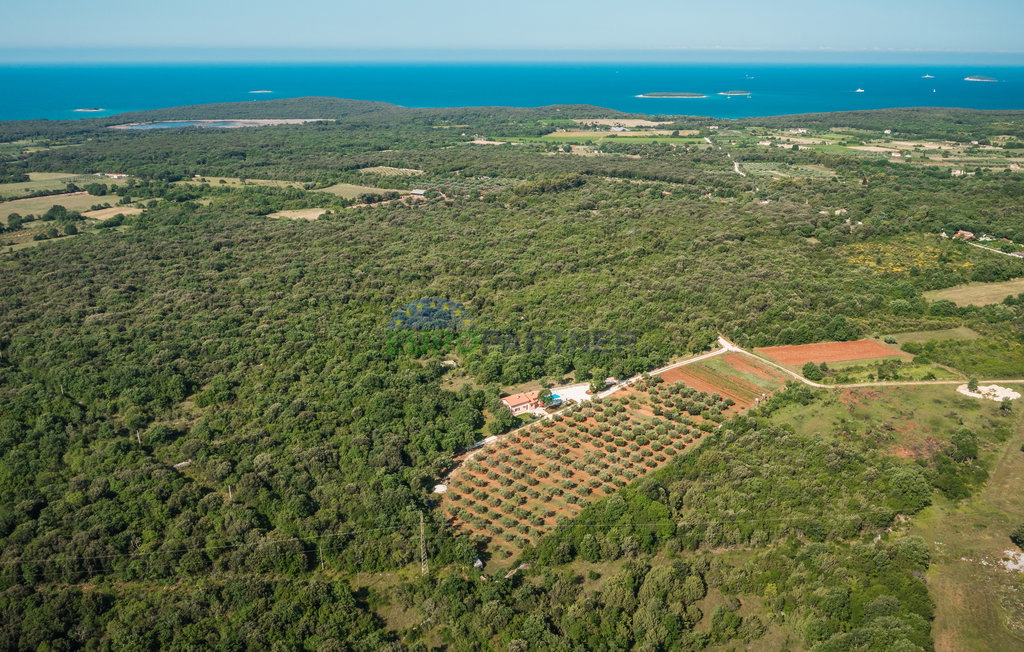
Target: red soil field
[{"x": 799, "y": 354}]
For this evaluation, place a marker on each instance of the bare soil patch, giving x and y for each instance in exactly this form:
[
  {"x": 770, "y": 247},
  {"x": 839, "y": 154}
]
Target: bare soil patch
[
  {"x": 107, "y": 213},
  {"x": 991, "y": 392},
  {"x": 798, "y": 354},
  {"x": 299, "y": 214}
]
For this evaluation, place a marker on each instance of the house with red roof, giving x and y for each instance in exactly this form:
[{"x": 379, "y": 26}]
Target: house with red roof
[{"x": 524, "y": 402}]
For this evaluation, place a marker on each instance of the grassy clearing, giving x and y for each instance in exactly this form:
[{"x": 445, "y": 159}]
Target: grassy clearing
[
  {"x": 860, "y": 372},
  {"x": 48, "y": 181},
  {"x": 978, "y": 294},
  {"x": 978, "y": 601},
  {"x": 39, "y": 205},
  {"x": 920, "y": 337},
  {"x": 351, "y": 191},
  {"x": 909, "y": 422},
  {"x": 779, "y": 170},
  {"x": 236, "y": 182},
  {"x": 23, "y": 237}
]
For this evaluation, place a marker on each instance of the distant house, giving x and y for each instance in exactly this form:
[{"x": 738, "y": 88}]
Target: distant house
[
  {"x": 525, "y": 402},
  {"x": 418, "y": 192},
  {"x": 888, "y": 131},
  {"x": 1014, "y": 166},
  {"x": 897, "y": 155},
  {"x": 958, "y": 173},
  {"x": 798, "y": 131},
  {"x": 963, "y": 235},
  {"x": 619, "y": 129},
  {"x": 765, "y": 142}
]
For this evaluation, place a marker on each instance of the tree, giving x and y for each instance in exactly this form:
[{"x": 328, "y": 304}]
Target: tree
[
  {"x": 503, "y": 421},
  {"x": 811, "y": 371},
  {"x": 965, "y": 445},
  {"x": 972, "y": 385}
]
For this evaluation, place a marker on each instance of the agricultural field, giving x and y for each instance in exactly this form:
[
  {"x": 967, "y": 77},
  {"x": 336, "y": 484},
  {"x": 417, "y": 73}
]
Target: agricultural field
[
  {"x": 385, "y": 171},
  {"x": 47, "y": 181},
  {"x": 235, "y": 182},
  {"x": 107, "y": 213},
  {"x": 798, "y": 354},
  {"x": 740, "y": 377},
  {"x": 920, "y": 337},
  {"x": 783, "y": 171},
  {"x": 78, "y": 201},
  {"x": 351, "y": 191},
  {"x": 978, "y": 294},
  {"x": 299, "y": 214},
  {"x": 515, "y": 491}
]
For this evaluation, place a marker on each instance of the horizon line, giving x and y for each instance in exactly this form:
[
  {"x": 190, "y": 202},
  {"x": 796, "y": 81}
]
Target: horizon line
[{"x": 296, "y": 54}]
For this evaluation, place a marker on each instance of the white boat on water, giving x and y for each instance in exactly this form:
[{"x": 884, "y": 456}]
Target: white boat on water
[
  {"x": 927, "y": 76},
  {"x": 859, "y": 90}
]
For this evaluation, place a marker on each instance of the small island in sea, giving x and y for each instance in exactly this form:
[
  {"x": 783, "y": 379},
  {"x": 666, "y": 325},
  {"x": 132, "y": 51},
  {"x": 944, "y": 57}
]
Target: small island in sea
[
  {"x": 673, "y": 95},
  {"x": 89, "y": 110},
  {"x": 980, "y": 78},
  {"x": 735, "y": 93}
]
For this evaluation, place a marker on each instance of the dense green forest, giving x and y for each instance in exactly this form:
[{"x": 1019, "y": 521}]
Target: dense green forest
[{"x": 209, "y": 438}]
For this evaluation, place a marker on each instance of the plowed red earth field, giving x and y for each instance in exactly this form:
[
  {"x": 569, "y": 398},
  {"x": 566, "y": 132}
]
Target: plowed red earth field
[
  {"x": 799, "y": 354},
  {"x": 730, "y": 383}
]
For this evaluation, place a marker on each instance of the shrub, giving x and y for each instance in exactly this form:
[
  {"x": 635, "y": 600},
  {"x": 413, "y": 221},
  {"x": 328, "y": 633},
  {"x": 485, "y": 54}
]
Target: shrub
[{"x": 1017, "y": 536}]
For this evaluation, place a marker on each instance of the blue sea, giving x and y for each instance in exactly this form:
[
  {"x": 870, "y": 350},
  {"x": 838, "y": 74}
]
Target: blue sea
[{"x": 55, "y": 91}]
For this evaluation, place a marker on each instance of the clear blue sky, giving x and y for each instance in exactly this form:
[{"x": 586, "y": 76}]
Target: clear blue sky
[{"x": 265, "y": 30}]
